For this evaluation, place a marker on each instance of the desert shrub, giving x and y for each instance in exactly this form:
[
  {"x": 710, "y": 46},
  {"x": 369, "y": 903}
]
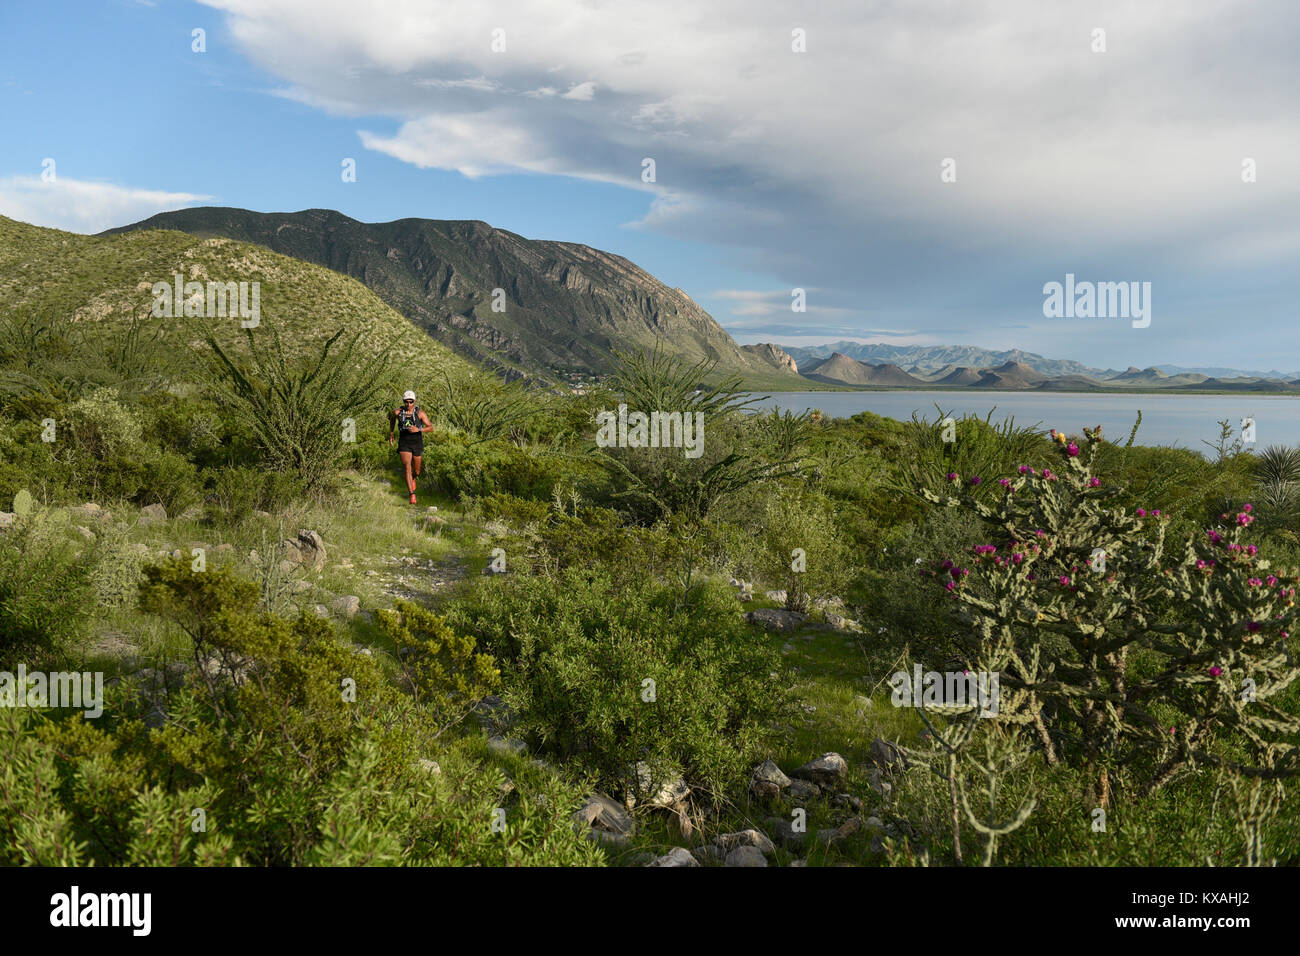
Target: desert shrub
[
  {"x": 101, "y": 427},
  {"x": 607, "y": 678},
  {"x": 26, "y": 462},
  {"x": 46, "y": 592},
  {"x": 297, "y": 749},
  {"x": 168, "y": 478},
  {"x": 895, "y": 595},
  {"x": 236, "y": 491},
  {"x": 484, "y": 409},
  {"x": 116, "y": 568},
  {"x": 799, "y": 548},
  {"x": 445, "y": 673},
  {"x": 513, "y": 510},
  {"x": 972, "y": 449},
  {"x": 456, "y": 467}
]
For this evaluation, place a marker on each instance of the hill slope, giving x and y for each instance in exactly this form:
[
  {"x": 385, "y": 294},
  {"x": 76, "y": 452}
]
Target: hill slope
[
  {"x": 561, "y": 306},
  {"x": 840, "y": 369},
  {"x": 104, "y": 282}
]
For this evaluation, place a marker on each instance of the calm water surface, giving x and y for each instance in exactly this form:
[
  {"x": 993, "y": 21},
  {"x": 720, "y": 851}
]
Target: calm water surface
[{"x": 1181, "y": 421}]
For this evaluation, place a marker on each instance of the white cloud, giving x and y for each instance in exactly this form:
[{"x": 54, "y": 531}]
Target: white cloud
[
  {"x": 82, "y": 206},
  {"x": 823, "y": 168},
  {"x": 581, "y": 91}
]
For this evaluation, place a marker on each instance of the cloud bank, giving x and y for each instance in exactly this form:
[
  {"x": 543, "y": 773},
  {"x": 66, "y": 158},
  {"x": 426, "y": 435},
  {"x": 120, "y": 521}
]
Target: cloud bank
[{"x": 824, "y": 168}]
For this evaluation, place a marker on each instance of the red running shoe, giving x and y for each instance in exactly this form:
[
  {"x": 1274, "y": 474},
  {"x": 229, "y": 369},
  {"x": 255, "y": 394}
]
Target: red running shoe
[{"x": 412, "y": 497}]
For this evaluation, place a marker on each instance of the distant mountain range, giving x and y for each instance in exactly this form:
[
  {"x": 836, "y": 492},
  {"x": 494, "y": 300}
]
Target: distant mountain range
[
  {"x": 929, "y": 358},
  {"x": 1019, "y": 374}
]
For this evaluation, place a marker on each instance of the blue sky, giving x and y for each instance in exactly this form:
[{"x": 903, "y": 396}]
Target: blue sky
[{"x": 775, "y": 168}]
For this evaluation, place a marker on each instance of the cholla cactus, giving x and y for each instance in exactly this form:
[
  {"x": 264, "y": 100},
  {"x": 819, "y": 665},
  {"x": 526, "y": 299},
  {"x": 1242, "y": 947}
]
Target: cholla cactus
[{"x": 1089, "y": 586}]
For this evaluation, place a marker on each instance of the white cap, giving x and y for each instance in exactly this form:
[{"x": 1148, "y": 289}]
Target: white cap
[{"x": 408, "y": 394}]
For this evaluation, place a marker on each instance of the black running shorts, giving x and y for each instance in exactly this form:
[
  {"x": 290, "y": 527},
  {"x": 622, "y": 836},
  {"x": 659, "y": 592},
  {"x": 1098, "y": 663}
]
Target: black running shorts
[{"x": 412, "y": 442}]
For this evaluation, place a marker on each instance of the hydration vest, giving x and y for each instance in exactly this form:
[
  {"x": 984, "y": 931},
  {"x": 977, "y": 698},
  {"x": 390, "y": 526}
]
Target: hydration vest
[{"x": 406, "y": 419}]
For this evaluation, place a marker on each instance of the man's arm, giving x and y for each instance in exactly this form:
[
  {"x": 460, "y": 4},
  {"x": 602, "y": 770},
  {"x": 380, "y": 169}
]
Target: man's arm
[
  {"x": 392, "y": 422},
  {"x": 428, "y": 425}
]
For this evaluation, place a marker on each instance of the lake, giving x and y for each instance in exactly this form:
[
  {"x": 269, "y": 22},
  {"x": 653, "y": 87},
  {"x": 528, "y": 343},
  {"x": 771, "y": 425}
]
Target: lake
[{"x": 1181, "y": 421}]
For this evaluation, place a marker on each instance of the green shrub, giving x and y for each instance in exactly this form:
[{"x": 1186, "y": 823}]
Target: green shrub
[
  {"x": 116, "y": 570},
  {"x": 799, "y": 548},
  {"x": 605, "y": 678},
  {"x": 297, "y": 749},
  {"x": 46, "y": 592},
  {"x": 445, "y": 673},
  {"x": 171, "y": 480}
]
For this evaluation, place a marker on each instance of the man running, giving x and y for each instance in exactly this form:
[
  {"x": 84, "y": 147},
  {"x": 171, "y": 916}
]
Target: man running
[{"x": 411, "y": 422}]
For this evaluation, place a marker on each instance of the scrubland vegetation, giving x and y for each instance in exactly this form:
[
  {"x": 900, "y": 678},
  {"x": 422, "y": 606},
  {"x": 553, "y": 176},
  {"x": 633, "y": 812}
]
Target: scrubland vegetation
[{"x": 594, "y": 597}]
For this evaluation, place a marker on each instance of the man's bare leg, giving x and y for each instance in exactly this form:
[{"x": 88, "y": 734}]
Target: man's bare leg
[{"x": 406, "y": 462}]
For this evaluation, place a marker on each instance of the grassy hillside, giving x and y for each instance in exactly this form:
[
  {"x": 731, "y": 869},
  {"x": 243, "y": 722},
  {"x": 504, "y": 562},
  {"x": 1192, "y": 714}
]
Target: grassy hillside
[{"x": 102, "y": 284}]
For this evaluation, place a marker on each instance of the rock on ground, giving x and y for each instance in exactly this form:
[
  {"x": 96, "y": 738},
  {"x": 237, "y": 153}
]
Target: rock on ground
[
  {"x": 312, "y": 549},
  {"x": 887, "y": 755},
  {"x": 829, "y": 770},
  {"x": 603, "y": 813},
  {"x": 152, "y": 513},
  {"x": 346, "y": 606},
  {"x": 677, "y": 856},
  {"x": 775, "y": 618},
  {"x": 746, "y": 856},
  {"x": 750, "y": 838},
  {"x": 767, "y": 781},
  {"x": 801, "y": 791}
]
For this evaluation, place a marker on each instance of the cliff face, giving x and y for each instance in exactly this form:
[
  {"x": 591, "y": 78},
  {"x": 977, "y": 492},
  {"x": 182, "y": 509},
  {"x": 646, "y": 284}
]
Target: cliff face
[
  {"x": 773, "y": 355},
  {"x": 521, "y": 306}
]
